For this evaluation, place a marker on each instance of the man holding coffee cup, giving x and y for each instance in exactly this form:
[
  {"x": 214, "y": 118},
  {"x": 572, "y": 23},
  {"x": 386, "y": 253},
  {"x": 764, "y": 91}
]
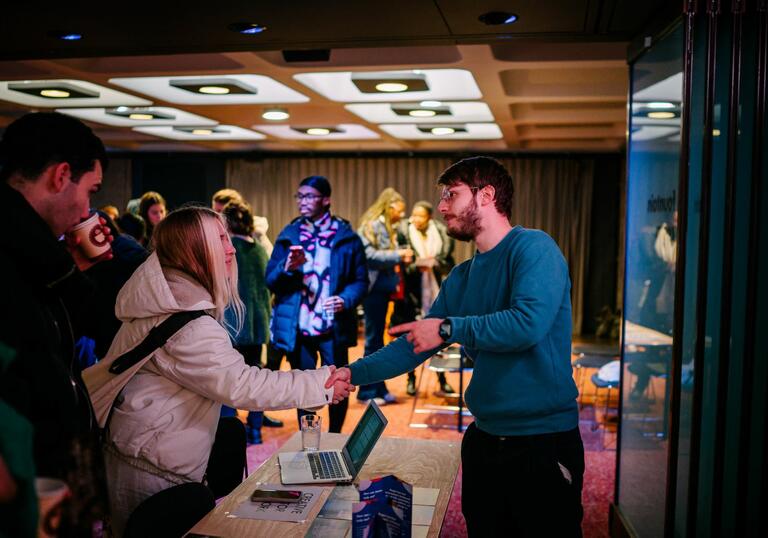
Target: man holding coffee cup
[
  {"x": 51, "y": 164},
  {"x": 318, "y": 274}
]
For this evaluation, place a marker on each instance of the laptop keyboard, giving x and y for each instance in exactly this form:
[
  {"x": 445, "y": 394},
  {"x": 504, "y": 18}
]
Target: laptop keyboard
[{"x": 326, "y": 465}]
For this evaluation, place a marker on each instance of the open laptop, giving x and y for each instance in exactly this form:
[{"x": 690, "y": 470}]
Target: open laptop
[{"x": 335, "y": 465}]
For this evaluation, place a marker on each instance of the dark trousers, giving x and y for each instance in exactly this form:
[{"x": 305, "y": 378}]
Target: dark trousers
[
  {"x": 304, "y": 357},
  {"x": 252, "y": 356},
  {"x": 514, "y": 487},
  {"x": 226, "y": 464},
  {"x": 375, "y": 308}
]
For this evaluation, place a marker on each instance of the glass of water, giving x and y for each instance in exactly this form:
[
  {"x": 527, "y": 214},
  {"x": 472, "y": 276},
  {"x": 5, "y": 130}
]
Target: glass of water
[{"x": 310, "y": 432}]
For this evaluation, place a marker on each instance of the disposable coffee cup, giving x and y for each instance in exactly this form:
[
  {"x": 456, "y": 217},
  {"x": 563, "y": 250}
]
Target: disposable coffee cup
[
  {"x": 310, "y": 432},
  {"x": 93, "y": 242},
  {"x": 51, "y": 493}
]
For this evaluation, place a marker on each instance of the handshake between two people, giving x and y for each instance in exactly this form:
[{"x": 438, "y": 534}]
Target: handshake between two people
[{"x": 341, "y": 381}]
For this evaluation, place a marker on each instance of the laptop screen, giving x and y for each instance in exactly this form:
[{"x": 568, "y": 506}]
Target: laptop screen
[{"x": 367, "y": 432}]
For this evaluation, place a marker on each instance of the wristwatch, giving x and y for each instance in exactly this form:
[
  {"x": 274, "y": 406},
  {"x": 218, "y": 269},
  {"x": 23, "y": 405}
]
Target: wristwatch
[{"x": 445, "y": 329}]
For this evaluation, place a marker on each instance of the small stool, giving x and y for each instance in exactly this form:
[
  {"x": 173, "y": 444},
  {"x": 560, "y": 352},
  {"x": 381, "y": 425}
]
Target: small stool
[{"x": 586, "y": 361}]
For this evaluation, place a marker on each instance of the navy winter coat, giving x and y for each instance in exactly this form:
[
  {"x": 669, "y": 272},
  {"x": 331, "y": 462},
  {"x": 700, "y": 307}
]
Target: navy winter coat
[{"x": 349, "y": 280}]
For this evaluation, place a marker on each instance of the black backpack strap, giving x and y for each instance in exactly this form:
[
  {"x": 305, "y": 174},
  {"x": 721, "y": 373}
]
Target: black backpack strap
[{"x": 156, "y": 339}]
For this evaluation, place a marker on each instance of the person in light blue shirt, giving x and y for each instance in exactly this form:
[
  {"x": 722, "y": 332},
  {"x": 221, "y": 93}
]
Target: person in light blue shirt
[{"x": 509, "y": 306}]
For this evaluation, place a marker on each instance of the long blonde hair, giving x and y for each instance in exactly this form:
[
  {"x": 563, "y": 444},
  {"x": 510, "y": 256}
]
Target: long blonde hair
[
  {"x": 188, "y": 240},
  {"x": 379, "y": 208}
]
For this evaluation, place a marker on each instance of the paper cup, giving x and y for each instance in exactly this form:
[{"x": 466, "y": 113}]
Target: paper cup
[
  {"x": 93, "y": 242},
  {"x": 51, "y": 492}
]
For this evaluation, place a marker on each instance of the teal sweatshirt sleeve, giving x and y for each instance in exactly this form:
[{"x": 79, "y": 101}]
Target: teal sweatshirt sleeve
[
  {"x": 395, "y": 358},
  {"x": 541, "y": 280}
]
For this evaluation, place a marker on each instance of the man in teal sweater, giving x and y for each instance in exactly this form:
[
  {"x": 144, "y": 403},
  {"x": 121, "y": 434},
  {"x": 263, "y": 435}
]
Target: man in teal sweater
[{"x": 509, "y": 306}]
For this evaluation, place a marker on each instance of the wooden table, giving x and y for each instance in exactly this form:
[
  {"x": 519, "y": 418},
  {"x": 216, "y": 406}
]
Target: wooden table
[{"x": 422, "y": 463}]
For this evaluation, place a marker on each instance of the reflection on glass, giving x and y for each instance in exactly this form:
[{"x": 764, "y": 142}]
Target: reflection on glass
[{"x": 652, "y": 202}]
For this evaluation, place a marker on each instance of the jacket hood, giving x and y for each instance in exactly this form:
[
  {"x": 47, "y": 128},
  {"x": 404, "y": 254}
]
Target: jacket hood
[{"x": 154, "y": 291}]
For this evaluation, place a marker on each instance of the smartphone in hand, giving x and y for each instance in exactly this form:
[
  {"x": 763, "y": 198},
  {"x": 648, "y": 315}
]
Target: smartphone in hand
[{"x": 275, "y": 496}]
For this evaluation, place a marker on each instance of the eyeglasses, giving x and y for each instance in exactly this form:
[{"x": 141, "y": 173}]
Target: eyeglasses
[
  {"x": 308, "y": 197},
  {"x": 447, "y": 195}
]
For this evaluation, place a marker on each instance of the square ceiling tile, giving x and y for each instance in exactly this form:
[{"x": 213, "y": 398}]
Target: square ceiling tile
[
  {"x": 64, "y": 93},
  {"x": 440, "y": 84},
  {"x": 345, "y": 131},
  {"x": 444, "y": 112},
  {"x": 241, "y": 89},
  {"x": 138, "y": 116},
  {"x": 201, "y": 134},
  {"x": 467, "y": 131}
]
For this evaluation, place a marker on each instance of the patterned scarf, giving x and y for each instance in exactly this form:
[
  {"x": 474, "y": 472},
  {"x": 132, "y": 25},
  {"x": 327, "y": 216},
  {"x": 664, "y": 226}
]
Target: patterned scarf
[{"x": 316, "y": 238}]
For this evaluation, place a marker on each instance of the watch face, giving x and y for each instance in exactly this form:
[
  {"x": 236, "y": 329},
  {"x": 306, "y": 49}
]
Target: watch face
[{"x": 445, "y": 330}]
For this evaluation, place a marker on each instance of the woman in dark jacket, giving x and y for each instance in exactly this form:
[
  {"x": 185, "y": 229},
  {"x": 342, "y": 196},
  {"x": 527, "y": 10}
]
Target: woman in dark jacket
[
  {"x": 319, "y": 275},
  {"x": 252, "y": 287}
]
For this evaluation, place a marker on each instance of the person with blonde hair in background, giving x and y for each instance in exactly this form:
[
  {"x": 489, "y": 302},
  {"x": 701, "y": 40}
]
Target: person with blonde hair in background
[
  {"x": 379, "y": 235},
  {"x": 163, "y": 422},
  {"x": 260, "y": 224}
]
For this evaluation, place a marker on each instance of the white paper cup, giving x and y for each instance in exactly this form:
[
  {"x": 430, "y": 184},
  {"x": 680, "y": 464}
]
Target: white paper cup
[
  {"x": 51, "y": 492},
  {"x": 93, "y": 242}
]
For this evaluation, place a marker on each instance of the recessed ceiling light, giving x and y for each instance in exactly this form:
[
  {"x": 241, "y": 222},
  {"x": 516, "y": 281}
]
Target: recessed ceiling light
[
  {"x": 661, "y": 115},
  {"x": 247, "y": 28},
  {"x": 456, "y": 131},
  {"x": 214, "y": 90},
  {"x": 413, "y": 110},
  {"x": 495, "y": 18},
  {"x": 318, "y": 131},
  {"x": 450, "y": 112},
  {"x": 65, "y": 93},
  {"x": 213, "y": 86},
  {"x": 243, "y": 89},
  {"x": 390, "y": 81},
  {"x": 341, "y": 131},
  {"x": 391, "y": 87},
  {"x": 430, "y": 104},
  {"x": 275, "y": 114},
  {"x": 56, "y": 94},
  {"x": 53, "y": 90},
  {"x": 660, "y": 105},
  {"x": 200, "y": 133},
  {"x": 66, "y": 36},
  {"x": 428, "y": 84},
  {"x": 123, "y": 116},
  {"x": 138, "y": 114}
]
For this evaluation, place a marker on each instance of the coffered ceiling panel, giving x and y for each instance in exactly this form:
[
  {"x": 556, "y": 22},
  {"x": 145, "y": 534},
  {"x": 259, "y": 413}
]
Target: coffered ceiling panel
[{"x": 555, "y": 79}]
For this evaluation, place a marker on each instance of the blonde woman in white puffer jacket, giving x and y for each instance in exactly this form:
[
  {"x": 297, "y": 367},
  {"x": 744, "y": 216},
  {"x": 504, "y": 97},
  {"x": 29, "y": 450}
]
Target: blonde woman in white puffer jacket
[{"x": 164, "y": 420}]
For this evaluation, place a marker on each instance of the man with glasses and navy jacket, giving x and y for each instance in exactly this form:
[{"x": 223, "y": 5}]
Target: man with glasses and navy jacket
[
  {"x": 319, "y": 275},
  {"x": 510, "y": 307}
]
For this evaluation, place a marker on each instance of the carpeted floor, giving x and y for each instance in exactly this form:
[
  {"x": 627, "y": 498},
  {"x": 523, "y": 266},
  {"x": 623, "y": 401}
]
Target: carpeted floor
[{"x": 600, "y": 461}]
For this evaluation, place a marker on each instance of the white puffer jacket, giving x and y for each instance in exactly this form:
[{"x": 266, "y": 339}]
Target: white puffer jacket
[{"x": 168, "y": 412}]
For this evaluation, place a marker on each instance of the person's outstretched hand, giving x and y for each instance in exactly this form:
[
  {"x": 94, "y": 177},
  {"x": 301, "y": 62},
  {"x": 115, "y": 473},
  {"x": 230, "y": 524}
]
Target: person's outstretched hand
[
  {"x": 423, "y": 334},
  {"x": 340, "y": 379}
]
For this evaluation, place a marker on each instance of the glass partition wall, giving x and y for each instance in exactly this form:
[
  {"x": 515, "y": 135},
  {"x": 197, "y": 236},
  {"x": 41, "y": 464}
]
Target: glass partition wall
[
  {"x": 692, "y": 443},
  {"x": 652, "y": 230}
]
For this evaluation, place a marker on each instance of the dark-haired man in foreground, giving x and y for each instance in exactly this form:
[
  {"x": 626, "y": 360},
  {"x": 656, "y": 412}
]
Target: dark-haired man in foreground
[
  {"x": 509, "y": 306},
  {"x": 51, "y": 165}
]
